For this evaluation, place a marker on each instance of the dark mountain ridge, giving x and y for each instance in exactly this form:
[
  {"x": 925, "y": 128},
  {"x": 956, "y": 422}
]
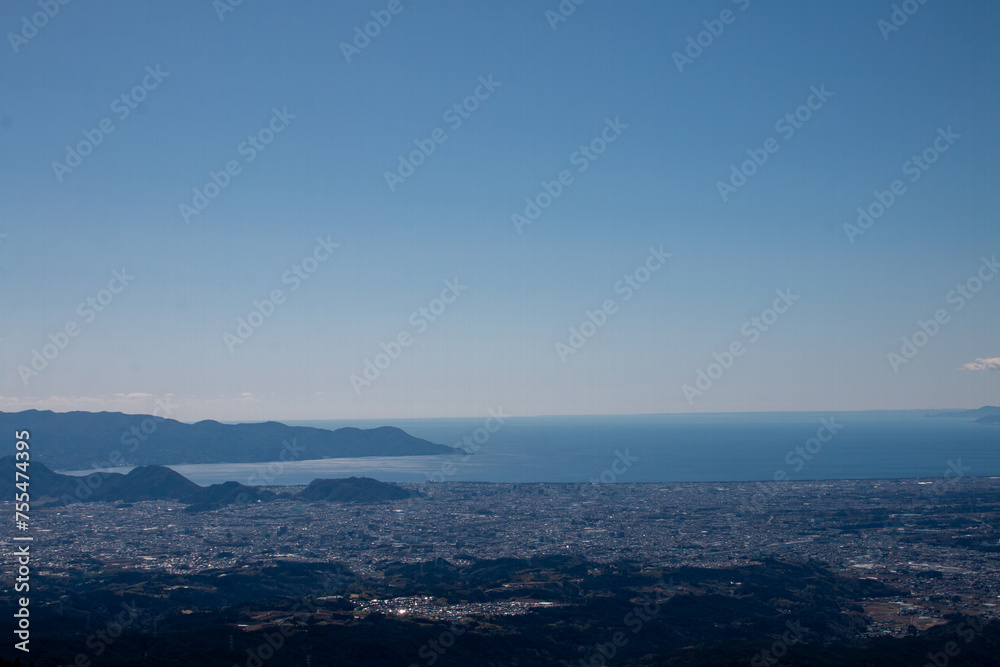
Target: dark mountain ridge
[
  {"x": 161, "y": 483},
  {"x": 354, "y": 490},
  {"x": 79, "y": 440}
]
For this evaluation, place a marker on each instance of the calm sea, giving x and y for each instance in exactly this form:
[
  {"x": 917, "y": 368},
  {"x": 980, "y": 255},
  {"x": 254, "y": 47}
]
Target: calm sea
[{"x": 660, "y": 448}]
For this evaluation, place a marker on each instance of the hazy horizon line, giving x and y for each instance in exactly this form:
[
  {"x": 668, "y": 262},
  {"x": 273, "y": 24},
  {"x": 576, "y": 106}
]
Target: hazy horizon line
[{"x": 522, "y": 416}]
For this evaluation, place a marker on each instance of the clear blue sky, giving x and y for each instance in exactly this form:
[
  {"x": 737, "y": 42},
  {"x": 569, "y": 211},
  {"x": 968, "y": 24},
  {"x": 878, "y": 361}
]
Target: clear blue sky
[{"x": 656, "y": 184}]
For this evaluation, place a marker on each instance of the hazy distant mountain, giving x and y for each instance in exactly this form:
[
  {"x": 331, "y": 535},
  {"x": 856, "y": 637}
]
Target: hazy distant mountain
[
  {"x": 354, "y": 490},
  {"x": 162, "y": 483},
  {"x": 77, "y": 440},
  {"x": 985, "y": 411},
  {"x": 989, "y": 419}
]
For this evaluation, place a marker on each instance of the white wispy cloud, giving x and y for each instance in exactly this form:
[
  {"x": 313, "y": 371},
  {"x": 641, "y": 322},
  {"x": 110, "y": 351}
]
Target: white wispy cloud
[{"x": 980, "y": 364}]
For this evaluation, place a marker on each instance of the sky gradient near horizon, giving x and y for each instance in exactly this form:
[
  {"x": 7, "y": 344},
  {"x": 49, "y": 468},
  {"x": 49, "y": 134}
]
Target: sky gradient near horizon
[{"x": 503, "y": 294}]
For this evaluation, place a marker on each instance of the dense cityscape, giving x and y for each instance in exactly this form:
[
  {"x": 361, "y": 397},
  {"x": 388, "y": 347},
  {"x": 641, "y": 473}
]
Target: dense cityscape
[{"x": 938, "y": 540}]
